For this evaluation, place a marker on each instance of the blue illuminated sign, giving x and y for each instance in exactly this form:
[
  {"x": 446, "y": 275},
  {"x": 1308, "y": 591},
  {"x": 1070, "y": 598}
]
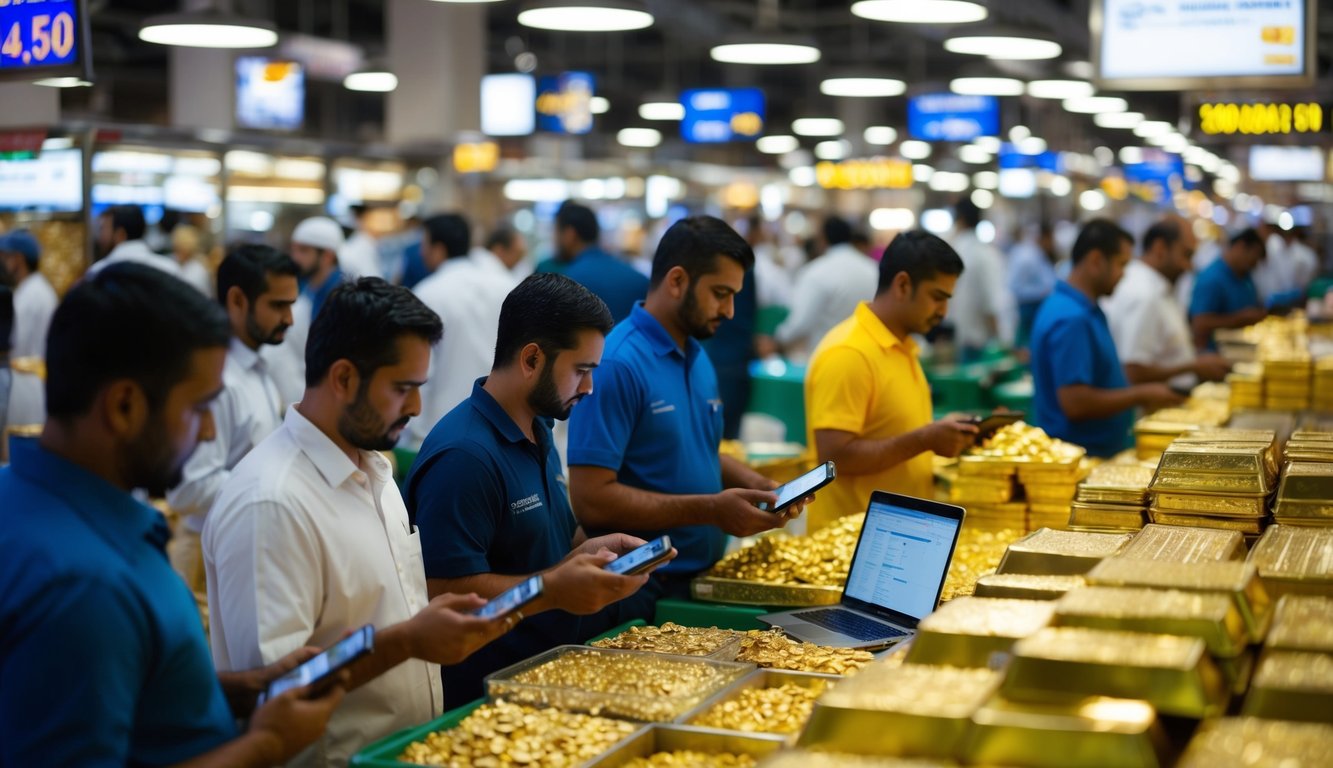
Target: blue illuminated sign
[
  {"x": 952, "y": 117},
  {"x": 42, "y": 38},
  {"x": 714, "y": 115},
  {"x": 1010, "y": 157},
  {"x": 564, "y": 103}
]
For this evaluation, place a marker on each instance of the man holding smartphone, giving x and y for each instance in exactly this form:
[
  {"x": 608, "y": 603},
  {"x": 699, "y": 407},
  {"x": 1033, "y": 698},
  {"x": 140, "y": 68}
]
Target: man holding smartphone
[{"x": 488, "y": 493}]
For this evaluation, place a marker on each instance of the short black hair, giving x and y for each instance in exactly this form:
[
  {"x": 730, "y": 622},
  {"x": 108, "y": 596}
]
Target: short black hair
[
  {"x": 1166, "y": 230},
  {"x": 248, "y": 266},
  {"x": 837, "y": 231},
  {"x": 967, "y": 213},
  {"x": 450, "y": 230},
  {"x": 362, "y": 322},
  {"x": 502, "y": 236},
  {"x": 921, "y": 255},
  {"x": 860, "y": 238},
  {"x": 549, "y": 310},
  {"x": 1102, "y": 235},
  {"x": 128, "y": 321},
  {"x": 129, "y": 218},
  {"x": 1251, "y": 237},
  {"x": 6, "y": 318},
  {"x": 581, "y": 219},
  {"x": 694, "y": 243}
]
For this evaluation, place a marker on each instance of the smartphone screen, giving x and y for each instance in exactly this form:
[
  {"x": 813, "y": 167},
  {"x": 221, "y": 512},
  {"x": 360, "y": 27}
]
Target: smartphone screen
[
  {"x": 642, "y": 557},
  {"x": 804, "y": 485},
  {"x": 512, "y": 599},
  {"x": 341, "y": 654}
]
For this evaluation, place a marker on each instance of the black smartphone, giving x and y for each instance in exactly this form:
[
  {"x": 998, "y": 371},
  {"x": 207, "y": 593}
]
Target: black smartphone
[
  {"x": 641, "y": 558},
  {"x": 997, "y": 421},
  {"x": 512, "y": 599},
  {"x": 803, "y": 486},
  {"x": 340, "y": 654}
]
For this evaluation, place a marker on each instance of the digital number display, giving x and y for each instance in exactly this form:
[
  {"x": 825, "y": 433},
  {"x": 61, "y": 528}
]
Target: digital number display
[
  {"x": 1260, "y": 119},
  {"x": 42, "y": 38}
]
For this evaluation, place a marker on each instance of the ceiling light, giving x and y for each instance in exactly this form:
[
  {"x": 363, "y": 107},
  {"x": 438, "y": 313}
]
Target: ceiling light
[
  {"x": 639, "y": 137},
  {"x": 1153, "y": 128},
  {"x": 1092, "y": 200},
  {"x": 1175, "y": 143},
  {"x": 986, "y": 86},
  {"x": 1060, "y": 186},
  {"x": 983, "y": 198},
  {"x": 777, "y": 145},
  {"x": 585, "y": 15},
  {"x": 920, "y": 11},
  {"x": 865, "y": 87},
  {"x": 1091, "y": 105},
  {"x": 881, "y": 135},
  {"x": 989, "y": 143},
  {"x": 803, "y": 176},
  {"x": 892, "y": 219},
  {"x": 1032, "y": 145},
  {"x": 1019, "y": 132},
  {"x": 914, "y": 150},
  {"x": 766, "y": 50},
  {"x": 1060, "y": 89},
  {"x": 662, "y": 110},
  {"x": 598, "y": 105},
  {"x": 985, "y": 179},
  {"x": 1008, "y": 47},
  {"x": 836, "y": 149},
  {"x": 971, "y": 153},
  {"x": 1125, "y": 120},
  {"x": 208, "y": 29},
  {"x": 948, "y": 181},
  {"x": 922, "y": 172},
  {"x": 63, "y": 82},
  {"x": 817, "y": 126},
  {"x": 1131, "y": 155},
  {"x": 372, "y": 81}
]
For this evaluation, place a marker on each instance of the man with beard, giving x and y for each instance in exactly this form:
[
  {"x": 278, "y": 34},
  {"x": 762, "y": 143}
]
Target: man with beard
[
  {"x": 643, "y": 447},
  {"x": 102, "y": 654},
  {"x": 257, "y": 287},
  {"x": 867, "y": 401},
  {"x": 488, "y": 493},
  {"x": 310, "y": 537},
  {"x": 315, "y": 245}
]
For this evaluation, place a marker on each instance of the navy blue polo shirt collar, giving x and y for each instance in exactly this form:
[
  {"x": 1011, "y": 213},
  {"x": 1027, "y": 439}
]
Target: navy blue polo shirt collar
[
  {"x": 498, "y": 417},
  {"x": 114, "y": 514},
  {"x": 656, "y": 334}
]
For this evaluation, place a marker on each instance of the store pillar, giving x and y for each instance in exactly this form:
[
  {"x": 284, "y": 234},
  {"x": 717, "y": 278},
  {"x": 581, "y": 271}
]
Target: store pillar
[
  {"x": 438, "y": 51},
  {"x": 29, "y": 106}
]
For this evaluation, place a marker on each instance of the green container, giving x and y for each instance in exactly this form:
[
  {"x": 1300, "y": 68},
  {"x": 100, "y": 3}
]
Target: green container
[
  {"x": 767, "y": 320},
  {"x": 384, "y": 753},
  {"x": 958, "y": 388},
  {"x": 689, "y": 613},
  {"x": 403, "y": 460},
  {"x": 777, "y": 389}
]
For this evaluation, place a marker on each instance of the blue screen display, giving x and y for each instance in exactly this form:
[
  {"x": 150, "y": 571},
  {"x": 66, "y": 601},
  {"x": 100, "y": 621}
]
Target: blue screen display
[
  {"x": 39, "y": 34},
  {"x": 952, "y": 117},
  {"x": 716, "y": 115},
  {"x": 564, "y": 102}
]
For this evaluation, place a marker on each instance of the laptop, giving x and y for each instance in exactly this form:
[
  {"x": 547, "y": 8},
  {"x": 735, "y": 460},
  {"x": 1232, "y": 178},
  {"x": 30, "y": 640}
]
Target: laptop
[{"x": 897, "y": 574}]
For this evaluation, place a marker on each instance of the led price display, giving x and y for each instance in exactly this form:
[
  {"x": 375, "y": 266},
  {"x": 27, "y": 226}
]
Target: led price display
[
  {"x": 41, "y": 38},
  {"x": 715, "y": 115},
  {"x": 1261, "y": 119},
  {"x": 952, "y": 117}
]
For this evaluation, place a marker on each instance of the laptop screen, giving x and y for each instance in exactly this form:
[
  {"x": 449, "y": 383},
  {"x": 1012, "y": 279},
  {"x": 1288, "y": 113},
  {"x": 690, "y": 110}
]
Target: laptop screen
[{"x": 901, "y": 559}]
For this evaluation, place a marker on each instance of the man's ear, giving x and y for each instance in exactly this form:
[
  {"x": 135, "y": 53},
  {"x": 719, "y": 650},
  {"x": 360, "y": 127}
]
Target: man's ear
[
  {"x": 346, "y": 380},
  {"x": 123, "y": 408}
]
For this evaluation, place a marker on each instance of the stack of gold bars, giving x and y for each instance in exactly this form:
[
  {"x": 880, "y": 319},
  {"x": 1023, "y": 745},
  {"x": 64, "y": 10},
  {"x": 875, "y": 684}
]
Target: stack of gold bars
[
  {"x": 1113, "y": 497},
  {"x": 1294, "y": 679},
  {"x": 1246, "y": 381},
  {"x": 1216, "y": 478},
  {"x": 1294, "y": 559},
  {"x": 1305, "y": 495},
  {"x": 1207, "y": 407},
  {"x": 1018, "y": 458},
  {"x": 1287, "y": 377},
  {"x": 1309, "y": 445},
  {"x": 1323, "y": 385}
]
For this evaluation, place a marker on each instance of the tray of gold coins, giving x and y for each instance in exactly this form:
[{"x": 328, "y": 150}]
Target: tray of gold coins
[
  {"x": 770, "y": 701},
  {"x": 1249, "y": 742},
  {"x": 1305, "y": 494},
  {"x": 677, "y": 746},
  {"x": 1295, "y": 560},
  {"x": 672, "y": 638},
  {"x": 771, "y": 649},
  {"x": 782, "y": 570},
  {"x": 634, "y": 685}
]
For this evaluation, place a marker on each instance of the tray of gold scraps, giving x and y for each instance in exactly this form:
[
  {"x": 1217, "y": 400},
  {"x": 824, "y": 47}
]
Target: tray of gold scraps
[
  {"x": 781, "y": 570},
  {"x": 1020, "y": 447}
]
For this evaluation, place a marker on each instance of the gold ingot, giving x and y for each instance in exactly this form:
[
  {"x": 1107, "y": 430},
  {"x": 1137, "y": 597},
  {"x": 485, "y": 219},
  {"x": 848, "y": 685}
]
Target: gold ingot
[
  {"x": 1239, "y": 580},
  {"x": 1216, "y": 506},
  {"x": 1220, "y": 458},
  {"x": 1295, "y": 560},
  {"x": 1251, "y": 742},
  {"x": 1245, "y": 525},
  {"x": 966, "y": 632},
  {"x": 1210, "y": 616},
  {"x": 1302, "y": 623},
  {"x": 801, "y": 758},
  {"x": 1307, "y": 482},
  {"x": 1292, "y": 685},
  {"x": 1068, "y": 553},
  {"x": 1105, "y": 517},
  {"x": 1184, "y": 545},
  {"x": 1024, "y": 586},
  {"x": 1088, "y": 732},
  {"x": 1189, "y": 481}
]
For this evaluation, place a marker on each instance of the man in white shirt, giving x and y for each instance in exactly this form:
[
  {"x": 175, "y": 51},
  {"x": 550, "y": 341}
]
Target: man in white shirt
[
  {"x": 976, "y": 307},
  {"x": 311, "y": 538},
  {"x": 467, "y": 297},
  {"x": 360, "y": 256},
  {"x": 120, "y": 232},
  {"x": 34, "y": 298},
  {"x": 257, "y": 288},
  {"x": 503, "y": 255},
  {"x": 1152, "y": 336},
  {"x": 316, "y": 242},
  {"x": 827, "y": 290}
]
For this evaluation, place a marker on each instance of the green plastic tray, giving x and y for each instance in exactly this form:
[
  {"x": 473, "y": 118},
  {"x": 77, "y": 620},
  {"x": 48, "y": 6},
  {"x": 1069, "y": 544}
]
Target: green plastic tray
[
  {"x": 694, "y": 614},
  {"x": 384, "y": 753}
]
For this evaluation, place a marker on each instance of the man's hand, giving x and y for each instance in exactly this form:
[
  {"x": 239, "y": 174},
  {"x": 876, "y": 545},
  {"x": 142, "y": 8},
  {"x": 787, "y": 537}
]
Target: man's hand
[
  {"x": 243, "y": 688},
  {"x": 735, "y": 511},
  {"x": 445, "y": 632},
  {"x": 1211, "y": 367},
  {"x": 1251, "y": 315},
  {"x": 581, "y": 584},
  {"x": 618, "y": 543},
  {"x": 293, "y": 720},
  {"x": 1155, "y": 396},
  {"x": 949, "y": 436}
]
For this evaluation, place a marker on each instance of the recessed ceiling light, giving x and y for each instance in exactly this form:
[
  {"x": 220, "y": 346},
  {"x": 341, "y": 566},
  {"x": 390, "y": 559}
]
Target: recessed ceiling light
[
  {"x": 662, "y": 110},
  {"x": 817, "y": 126},
  {"x": 1032, "y": 145},
  {"x": 372, "y": 81},
  {"x": 639, "y": 137},
  {"x": 1091, "y": 105},
  {"x": 598, "y": 105},
  {"x": 766, "y": 50},
  {"x": 914, "y": 150},
  {"x": 1153, "y": 128},
  {"x": 1008, "y": 47},
  {"x": 1124, "y": 120},
  {"x": 892, "y": 219},
  {"x": 835, "y": 149},
  {"x": 208, "y": 29},
  {"x": 985, "y": 179},
  {"x": 1060, "y": 89},
  {"x": 881, "y": 135},
  {"x": 986, "y": 86},
  {"x": 865, "y": 87},
  {"x": 922, "y": 172},
  {"x": 1131, "y": 155},
  {"x": 989, "y": 143},
  {"x": 585, "y": 15},
  {"x": 62, "y": 82},
  {"x": 777, "y": 145},
  {"x": 920, "y": 11}
]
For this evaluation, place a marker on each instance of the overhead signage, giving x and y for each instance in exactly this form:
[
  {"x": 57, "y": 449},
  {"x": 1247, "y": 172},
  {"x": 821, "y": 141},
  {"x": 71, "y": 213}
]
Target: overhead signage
[
  {"x": 952, "y": 117},
  {"x": 1214, "y": 44},
  {"x": 872, "y": 173},
  {"x": 1266, "y": 119},
  {"x": 476, "y": 157},
  {"x": 43, "y": 39},
  {"x": 270, "y": 94},
  {"x": 564, "y": 103},
  {"x": 1157, "y": 177},
  {"x": 21, "y": 145},
  {"x": 1010, "y": 157},
  {"x": 1286, "y": 163},
  {"x": 508, "y": 104},
  {"x": 716, "y": 115}
]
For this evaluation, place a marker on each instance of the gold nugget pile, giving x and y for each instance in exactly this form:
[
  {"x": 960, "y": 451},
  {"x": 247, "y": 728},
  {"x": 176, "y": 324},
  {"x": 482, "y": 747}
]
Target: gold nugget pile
[
  {"x": 505, "y": 734},
  {"x": 820, "y": 559},
  {"x": 672, "y": 638},
  {"x": 782, "y": 709},
  {"x": 771, "y": 649},
  {"x": 690, "y": 759}
]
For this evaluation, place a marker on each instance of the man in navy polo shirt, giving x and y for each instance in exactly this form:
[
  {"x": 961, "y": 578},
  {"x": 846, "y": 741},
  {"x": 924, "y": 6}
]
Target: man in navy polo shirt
[
  {"x": 1081, "y": 393},
  {"x": 488, "y": 495},
  {"x": 581, "y": 258},
  {"x": 102, "y": 651},
  {"x": 643, "y": 447},
  {"x": 1224, "y": 293}
]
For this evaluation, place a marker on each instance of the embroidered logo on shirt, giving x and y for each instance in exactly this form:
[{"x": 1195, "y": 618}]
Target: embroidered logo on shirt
[
  {"x": 661, "y": 406},
  {"x": 525, "y": 504}
]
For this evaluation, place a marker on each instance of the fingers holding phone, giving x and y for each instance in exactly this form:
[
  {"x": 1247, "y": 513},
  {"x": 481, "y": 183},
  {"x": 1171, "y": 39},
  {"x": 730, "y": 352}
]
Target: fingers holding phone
[{"x": 293, "y": 719}]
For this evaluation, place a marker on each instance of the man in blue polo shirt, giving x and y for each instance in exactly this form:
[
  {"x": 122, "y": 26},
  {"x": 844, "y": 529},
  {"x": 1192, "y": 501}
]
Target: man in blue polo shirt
[
  {"x": 643, "y": 447},
  {"x": 488, "y": 494},
  {"x": 1224, "y": 293},
  {"x": 1081, "y": 393},
  {"x": 580, "y": 258},
  {"x": 102, "y": 651}
]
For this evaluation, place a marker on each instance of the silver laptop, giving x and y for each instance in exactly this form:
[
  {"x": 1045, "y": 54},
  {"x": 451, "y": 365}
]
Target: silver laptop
[{"x": 897, "y": 574}]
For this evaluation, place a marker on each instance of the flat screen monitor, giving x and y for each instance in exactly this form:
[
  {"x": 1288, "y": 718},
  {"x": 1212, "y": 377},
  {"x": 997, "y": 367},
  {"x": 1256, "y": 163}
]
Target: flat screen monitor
[
  {"x": 1286, "y": 163},
  {"x": 50, "y": 182},
  {"x": 270, "y": 94}
]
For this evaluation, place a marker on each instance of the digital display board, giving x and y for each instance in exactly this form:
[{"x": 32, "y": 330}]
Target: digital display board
[
  {"x": 508, "y": 104},
  {"x": 51, "y": 181},
  {"x": 1286, "y": 163},
  {"x": 564, "y": 102},
  {"x": 717, "y": 115},
  {"x": 1261, "y": 119},
  {"x": 270, "y": 95},
  {"x": 1214, "y": 44},
  {"x": 952, "y": 117},
  {"x": 42, "y": 39}
]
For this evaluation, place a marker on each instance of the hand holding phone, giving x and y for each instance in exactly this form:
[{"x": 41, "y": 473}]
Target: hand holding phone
[
  {"x": 512, "y": 599},
  {"x": 326, "y": 665},
  {"x": 642, "y": 558},
  {"x": 802, "y": 486}
]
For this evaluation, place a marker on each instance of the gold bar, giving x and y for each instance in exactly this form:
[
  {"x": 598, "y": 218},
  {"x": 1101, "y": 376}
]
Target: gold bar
[
  {"x": 965, "y": 632},
  {"x": 1302, "y": 623},
  {"x": 1250, "y": 742},
  {"x": 1091, "y": 732},
  {"x": 1295, "y": 560},
  {"x": 1174, "y": 674},
  {"x": 1054, "y": 552},
  {"x": 1024, "y": 586},
  {"x": 1184, "y": 545},
  {"x": 1220, "y": 506},
  {"x": 1307, "y": 481},
  {"x": 1083, "y": 515},
  {"x": 1055, "y": 493},
  {"x": 1192, "y": 481},
  {"x": 1212, "y": 458},
  {"x": 1240, "y": 580},
  {"x": 1292, "y": 685},
  {"x": 1210, "y": 616},
  {"x": 1235, "y": 524}
]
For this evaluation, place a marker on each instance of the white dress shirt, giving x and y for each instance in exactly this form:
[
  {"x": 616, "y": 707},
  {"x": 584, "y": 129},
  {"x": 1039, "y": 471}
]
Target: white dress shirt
[
  {"x": 1147, "y": 323},
  {"x": 979, "y": 293},
  {"x": 138, "y": 252},
  {"x": 360, "y": 257},
  {"x": 303, "y": 545},
  {"x": 490, "y": 263},
  {"x": 286, "y": 361},
  {"x": 248, "y": 410},
  {"x": 34, "y": 303},
  {"x": 771, "y": 280},
  {"x": 194, "y": 272},
  {"x": 468, "y": 299},
  {"x": 825, "y": 293}
]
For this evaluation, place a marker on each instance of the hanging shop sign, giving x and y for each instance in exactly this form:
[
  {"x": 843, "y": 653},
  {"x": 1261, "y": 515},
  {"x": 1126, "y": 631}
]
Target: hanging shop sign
[
  {"x": 1264, "y": 119},
  {"x": 564, "y": 103},
  {"x": 476, "y": 157},
  {"x": 40, "y": 40},
  {"x": 872, "y": 173},
  {"x": 952, "y": 117}
]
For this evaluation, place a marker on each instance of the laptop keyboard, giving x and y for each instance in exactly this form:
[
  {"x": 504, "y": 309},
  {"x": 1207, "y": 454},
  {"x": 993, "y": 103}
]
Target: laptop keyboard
[{"x": 851, "y": 624}]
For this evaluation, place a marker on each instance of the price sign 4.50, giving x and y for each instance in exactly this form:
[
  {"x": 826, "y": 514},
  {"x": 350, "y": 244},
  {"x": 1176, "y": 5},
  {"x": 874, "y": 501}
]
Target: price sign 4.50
[{"x": 36, "y": 40}]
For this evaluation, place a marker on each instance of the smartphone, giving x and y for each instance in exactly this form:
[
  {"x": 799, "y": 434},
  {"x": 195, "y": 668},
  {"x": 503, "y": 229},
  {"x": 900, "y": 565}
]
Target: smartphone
[
  {"x": 340, "y": 654},
  {"x": 802, "y": 486},
  {"x": 512, "y": 599},
  {"x": 641, "y": 558},
  {"x": 997, "y": 421}
]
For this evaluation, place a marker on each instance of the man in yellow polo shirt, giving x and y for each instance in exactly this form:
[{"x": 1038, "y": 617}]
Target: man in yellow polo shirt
[{"x": 866, "y": 398}]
